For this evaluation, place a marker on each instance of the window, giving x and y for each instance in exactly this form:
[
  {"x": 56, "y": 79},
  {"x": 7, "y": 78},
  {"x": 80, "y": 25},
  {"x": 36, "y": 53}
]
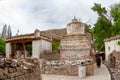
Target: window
[{"x": 109, "y": 48}]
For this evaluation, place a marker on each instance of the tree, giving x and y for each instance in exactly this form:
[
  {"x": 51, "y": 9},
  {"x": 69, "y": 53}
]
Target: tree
[
  {"x": 102, "y": 27},
  {"x": 4, "y": 31},
  {"x": 115, "y": 13},
  {"x": 88, "y": 27},
  {"x": 29, "y": 48},
  {"x": 55, "y": 45},
  {"x": 2, "y": 45},
  {"x": 101, "y": 11},
  {"x": 9, "y": 32}
]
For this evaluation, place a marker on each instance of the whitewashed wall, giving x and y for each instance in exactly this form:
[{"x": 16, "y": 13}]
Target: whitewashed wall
[
  {"x": 46, "y": 45},
  {"x": 39, "y": 46},
  {"x": 75, "y": 29},
  {"x": 8, "y": 49},
  {"x": 117, "y": 46},
  {"x": 110, "y": 46},
  {"x": 36, "y": 48},
  {"x": 74, "y": 54}
]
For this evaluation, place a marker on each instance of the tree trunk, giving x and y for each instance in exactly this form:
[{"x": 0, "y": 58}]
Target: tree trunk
[{"x": 100, "y": 48}]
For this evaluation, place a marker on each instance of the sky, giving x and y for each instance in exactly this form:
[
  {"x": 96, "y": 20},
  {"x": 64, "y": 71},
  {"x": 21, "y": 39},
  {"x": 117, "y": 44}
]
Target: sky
[{"x": 28, "y": 15}]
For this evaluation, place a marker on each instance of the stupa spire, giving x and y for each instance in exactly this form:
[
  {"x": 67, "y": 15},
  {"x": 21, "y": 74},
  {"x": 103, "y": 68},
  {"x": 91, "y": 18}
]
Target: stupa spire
[{"x": 75, "y": 19}]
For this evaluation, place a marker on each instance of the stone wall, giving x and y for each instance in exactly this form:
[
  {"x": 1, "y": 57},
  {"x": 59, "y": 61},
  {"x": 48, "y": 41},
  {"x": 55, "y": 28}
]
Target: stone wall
[
  {"x": 27, "y": 69},
  {"x": 71, "y": 70},
  {"x": 66, "y": 69},
  {"x": 114, "y": 59}
]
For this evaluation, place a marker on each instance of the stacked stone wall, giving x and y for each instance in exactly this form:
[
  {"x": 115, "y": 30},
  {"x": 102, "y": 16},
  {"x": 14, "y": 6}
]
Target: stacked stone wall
[{"x": 27, "y": 70}]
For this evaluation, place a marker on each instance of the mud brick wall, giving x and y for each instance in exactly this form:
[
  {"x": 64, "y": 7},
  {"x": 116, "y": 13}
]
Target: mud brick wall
[
  {"x": 29, "y": 72},
  {"x": 50, "y": 56}
]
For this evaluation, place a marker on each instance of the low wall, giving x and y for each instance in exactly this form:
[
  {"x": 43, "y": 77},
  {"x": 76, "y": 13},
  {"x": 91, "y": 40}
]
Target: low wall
[
  {"x": 61, "y": 70},
  {"x": 27, "y": 69},
  {"x": 66, "y": 69}
]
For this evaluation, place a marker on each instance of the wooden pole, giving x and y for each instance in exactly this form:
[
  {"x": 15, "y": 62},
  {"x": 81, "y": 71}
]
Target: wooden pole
[{"x": 23, "y": 50}]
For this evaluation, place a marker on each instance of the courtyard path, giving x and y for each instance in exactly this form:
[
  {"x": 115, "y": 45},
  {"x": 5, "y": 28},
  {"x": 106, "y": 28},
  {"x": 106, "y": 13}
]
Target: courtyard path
[{"x": 101, "y": 73}]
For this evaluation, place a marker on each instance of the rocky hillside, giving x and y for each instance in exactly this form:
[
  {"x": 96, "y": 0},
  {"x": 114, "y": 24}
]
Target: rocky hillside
[
  {"x": 55, "y": 33},
  {"x": 59, "y": 33}
]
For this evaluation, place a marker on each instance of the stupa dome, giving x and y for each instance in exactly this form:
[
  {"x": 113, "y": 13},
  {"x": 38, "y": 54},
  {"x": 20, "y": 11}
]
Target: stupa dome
[{"x": 75, "y": 27}]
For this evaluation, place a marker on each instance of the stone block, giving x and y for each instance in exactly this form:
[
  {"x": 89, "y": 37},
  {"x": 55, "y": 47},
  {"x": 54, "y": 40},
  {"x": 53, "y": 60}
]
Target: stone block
[
  {"x": 3, "y": 77},
  {"x": 27, "y": 76},
  {"x": 1, "y": 72},
  {"x": 11, "y": 75},
  {"x": 17, "y": 78},
  {"x": 11, "y": 70},
  {"x": 21, "y": 77},
  {"x": 13, "y": 79},
  {"x": 5, "y": 71},
  {"x": 19, "y": 69}
]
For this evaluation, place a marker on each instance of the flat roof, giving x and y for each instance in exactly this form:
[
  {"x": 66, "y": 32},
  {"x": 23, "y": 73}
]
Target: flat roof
[
  {"x": 112, "y": 38},
  {"x": 27, "y": 37}
]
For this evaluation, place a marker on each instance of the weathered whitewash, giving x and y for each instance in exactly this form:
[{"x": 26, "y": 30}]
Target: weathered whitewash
[
  {"x": 8, "y": 49},
  {"x": 40, "y": 46},
  {"x": 76, "y": 44},
  {"x": 37, "y": 49},
  {"x": 111, "y": 45},
  {"x": 75, "y": 27}
]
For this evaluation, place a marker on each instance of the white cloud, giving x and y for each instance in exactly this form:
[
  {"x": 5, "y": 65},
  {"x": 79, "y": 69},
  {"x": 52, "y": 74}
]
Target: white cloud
[{"x": 28, "y": 15}]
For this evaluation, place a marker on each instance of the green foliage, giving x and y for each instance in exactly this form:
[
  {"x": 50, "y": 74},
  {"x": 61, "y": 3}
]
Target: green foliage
[
  {"x": 88, "y": 27},
  {"x": 115, "y": 14},
  {"x": 100, "y": 10},
  {"x": 119, "y": 43},
  {"x": 29, "y": 48},
  {"x": 2, "y": 46},
  {"x": 115, "y": 11},
  {"x": 102, "y": 27},
  {"x": 55, "y": 45}
]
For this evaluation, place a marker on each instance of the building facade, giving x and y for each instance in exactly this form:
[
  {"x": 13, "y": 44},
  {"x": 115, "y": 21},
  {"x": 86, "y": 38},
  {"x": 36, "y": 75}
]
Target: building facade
[
  {"x": 19, "y": 43},
  {"x": 111, "y": 45}
]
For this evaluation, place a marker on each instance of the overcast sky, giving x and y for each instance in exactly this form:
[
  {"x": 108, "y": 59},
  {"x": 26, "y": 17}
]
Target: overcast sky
[{"x": 28, "y": 15}]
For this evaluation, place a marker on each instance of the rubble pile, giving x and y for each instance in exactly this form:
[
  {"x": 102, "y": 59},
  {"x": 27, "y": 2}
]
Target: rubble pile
[{"x": 23, "y": 69}]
